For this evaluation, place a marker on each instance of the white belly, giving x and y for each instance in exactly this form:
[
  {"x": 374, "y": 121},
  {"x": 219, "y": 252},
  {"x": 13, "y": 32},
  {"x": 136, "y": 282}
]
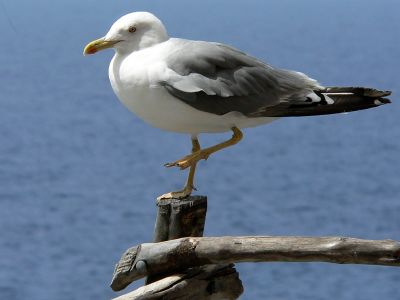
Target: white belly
[{"x": 160, "y": 109}]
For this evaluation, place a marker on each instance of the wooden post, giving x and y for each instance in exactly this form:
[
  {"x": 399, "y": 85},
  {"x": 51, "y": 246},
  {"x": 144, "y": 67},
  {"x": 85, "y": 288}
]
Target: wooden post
[{"x": 178, "y": 219}]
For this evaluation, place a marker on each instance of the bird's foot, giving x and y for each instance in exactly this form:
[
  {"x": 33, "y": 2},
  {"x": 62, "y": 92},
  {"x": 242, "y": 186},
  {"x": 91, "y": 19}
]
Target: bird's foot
[
  {"x": 189, "y": 160},
  {"x": 187, "y": 190}
]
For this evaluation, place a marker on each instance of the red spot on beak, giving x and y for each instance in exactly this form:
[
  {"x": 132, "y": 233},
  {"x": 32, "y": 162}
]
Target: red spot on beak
[{"x": 91, "y": 50}]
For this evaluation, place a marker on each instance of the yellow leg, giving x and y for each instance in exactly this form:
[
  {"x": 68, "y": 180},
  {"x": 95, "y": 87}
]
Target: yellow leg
[
  {"x": 189, "y": 186},
  {"x": 192, "y": 159}
]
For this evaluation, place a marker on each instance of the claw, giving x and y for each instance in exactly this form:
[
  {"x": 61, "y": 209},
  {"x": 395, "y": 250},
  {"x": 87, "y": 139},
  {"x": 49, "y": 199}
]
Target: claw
[{"x": 182, "y": 164}]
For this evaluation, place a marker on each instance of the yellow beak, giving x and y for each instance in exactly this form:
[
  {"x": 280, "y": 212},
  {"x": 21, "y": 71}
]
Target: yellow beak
[{"x": 98, "y": 45}]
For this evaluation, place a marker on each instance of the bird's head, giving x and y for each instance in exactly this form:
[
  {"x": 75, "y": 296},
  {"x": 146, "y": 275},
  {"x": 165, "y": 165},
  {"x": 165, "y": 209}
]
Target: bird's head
[{"x": 132, "y": 32}]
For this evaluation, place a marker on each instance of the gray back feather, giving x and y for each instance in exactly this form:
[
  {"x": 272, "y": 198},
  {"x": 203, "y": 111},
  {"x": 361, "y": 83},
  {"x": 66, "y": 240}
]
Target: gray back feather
[{"x": 219, "y": 79}]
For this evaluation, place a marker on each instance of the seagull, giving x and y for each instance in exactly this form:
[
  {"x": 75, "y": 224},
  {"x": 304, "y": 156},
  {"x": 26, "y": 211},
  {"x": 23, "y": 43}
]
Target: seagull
[{"x": 196, "y": 87}]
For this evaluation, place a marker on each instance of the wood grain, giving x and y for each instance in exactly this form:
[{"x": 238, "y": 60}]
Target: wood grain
[{"x": 184, "y": 253}]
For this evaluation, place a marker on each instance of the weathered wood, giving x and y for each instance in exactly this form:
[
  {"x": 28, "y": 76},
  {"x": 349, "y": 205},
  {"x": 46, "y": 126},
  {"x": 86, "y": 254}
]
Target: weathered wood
[
  {"x": 205, "y": 283},
  {"x": 180, "y": 218},
  {"x": 177, "y": 219},
  {"x": 184, "y": 253}
]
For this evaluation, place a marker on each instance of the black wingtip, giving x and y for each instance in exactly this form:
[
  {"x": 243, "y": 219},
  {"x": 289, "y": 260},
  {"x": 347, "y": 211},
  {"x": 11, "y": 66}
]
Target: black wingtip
[
  {"x": 384, "y": 94},
  {"x": 383, "y": 101},
  {"x": 367, "y": 92}
]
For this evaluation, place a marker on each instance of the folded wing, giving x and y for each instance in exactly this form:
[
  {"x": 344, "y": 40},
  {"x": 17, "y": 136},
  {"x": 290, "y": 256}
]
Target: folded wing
[{"x": 219, "y": 79}]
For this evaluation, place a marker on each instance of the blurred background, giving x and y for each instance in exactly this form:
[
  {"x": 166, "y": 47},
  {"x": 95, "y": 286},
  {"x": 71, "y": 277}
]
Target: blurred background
[{"x": 79, "y": 174}]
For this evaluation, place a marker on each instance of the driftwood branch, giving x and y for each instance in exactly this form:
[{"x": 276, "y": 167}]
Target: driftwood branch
[
  {"x": 205, "y": 283},
  {"x": 181, "y": 254}
]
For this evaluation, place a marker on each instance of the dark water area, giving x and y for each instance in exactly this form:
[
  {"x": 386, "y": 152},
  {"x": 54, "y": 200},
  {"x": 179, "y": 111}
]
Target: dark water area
[{"x": 79, "y": 174}]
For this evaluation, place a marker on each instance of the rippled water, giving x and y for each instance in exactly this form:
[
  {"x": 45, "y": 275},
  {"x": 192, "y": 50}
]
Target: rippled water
[{"x": 79, "y": 173}]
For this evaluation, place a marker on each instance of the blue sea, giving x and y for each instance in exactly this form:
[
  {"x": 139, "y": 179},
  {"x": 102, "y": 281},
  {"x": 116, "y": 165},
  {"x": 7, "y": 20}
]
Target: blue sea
[{"x": 79, "y": 174}]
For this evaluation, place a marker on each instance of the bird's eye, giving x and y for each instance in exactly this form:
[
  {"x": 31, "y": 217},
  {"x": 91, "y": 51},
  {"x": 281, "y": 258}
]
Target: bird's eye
[{"x": 132, "y": 29}]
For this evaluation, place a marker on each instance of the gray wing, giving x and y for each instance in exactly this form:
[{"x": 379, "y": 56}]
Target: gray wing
[{"x": 218, "y": 79}]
